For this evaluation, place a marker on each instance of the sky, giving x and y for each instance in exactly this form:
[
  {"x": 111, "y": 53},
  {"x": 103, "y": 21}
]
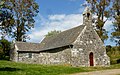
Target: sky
[{"x": 59, "y": 15}]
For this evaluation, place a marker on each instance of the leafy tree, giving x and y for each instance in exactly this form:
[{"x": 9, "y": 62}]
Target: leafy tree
[
  {"x": 100, "y": 8},
  {"x": 6, "y": 19},
  {"x": 51, "y": 33},
  {"x": 114, "y": 54},
  {"x": 1, "y": 52},
  {"x": 108, "y": 48},
  {"x": 23, "y": 12},
  {"x": 116, "y": 23},
  {"x": 5, "y": 48}
]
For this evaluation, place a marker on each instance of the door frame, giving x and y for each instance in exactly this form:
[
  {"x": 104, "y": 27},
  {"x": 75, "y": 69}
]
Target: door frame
[{"x": 91, "y": 59}]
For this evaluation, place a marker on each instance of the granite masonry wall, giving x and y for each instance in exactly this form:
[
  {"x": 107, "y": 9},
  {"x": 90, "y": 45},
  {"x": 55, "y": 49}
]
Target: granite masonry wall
[{"x": 57, "y": 56}]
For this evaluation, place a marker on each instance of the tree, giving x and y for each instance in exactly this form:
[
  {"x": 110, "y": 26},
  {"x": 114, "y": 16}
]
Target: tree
[
  {"x": 51, "y": 33},
  {"x": 108, "y": 48},
  {"x": 100, "y": 8},
  {"x": 5, "y": 48},
  {"x": 23, "y": 12},
  {"x": 1, "y": 52},
  {"x": 116, "y": 23},
  {"x": 6, "y": 19}
]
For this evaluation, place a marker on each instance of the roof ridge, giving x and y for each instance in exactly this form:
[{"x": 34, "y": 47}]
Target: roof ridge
[{"x": 26, "y": 42}]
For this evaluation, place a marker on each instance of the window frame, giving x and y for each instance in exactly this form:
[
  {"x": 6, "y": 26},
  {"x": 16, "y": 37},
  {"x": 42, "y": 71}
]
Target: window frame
[{"x": 30, "y": 55}]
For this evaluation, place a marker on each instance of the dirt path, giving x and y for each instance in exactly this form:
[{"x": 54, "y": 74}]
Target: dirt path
[{"x": 102, "y": 72}]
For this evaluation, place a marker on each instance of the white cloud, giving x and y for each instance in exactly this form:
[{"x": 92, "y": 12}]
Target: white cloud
[
  {"x": 57, "y": 17},
  {"x": 55, "y": 22},
  {"x": 108, "y": 25}
]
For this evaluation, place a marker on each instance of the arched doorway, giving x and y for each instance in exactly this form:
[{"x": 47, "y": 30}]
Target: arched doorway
[{"x": 91, "y": 59}]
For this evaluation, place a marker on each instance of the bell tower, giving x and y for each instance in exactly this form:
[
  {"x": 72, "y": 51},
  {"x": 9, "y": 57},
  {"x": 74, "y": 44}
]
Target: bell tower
[{"x": 87, "y": 16}]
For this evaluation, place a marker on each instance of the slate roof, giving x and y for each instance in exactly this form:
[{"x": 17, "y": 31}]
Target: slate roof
[
  {"x": 27, "y": 46},
  {"x": 62, "y": 39}
]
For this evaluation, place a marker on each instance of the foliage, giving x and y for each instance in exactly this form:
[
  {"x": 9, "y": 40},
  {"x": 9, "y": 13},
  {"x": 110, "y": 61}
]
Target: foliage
[
  {"x": 113, "y": 53},
  {"x": 4, "y": 49},
  {"x": 100, "y": 8},
  {"x": 6, "y": 19},
  {"x": 116, "y": 23},
  {"x": 1, "y": 52},
  {"x": 51, "y": 33},
  {"x": 23, "y": 12}
]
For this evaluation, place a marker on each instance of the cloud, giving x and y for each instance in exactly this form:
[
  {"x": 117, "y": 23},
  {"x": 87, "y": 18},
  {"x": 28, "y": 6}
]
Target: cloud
[
  {"x": 108, "y": 25},
  {"x": 57, "y": 17},
  {"x": 55, "y": 22}
]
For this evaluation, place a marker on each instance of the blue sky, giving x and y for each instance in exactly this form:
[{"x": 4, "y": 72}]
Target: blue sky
[
  {"x": 48, "y": 7},
  {"x": 59, "y": 15}
]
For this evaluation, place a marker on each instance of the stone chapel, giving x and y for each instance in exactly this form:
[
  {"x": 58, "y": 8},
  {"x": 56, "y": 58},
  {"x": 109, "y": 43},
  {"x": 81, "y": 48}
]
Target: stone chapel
[{"x": 79, "y": 46}]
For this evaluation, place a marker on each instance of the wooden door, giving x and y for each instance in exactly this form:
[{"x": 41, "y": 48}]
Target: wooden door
[{"x": 91, "y": 59}]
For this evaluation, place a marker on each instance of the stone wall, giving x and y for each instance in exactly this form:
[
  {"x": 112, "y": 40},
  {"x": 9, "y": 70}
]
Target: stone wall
[
  {"x": 24, "y": 57},
  {"x": 14, "y": 53},
  {"x": 56, "y": 56}
]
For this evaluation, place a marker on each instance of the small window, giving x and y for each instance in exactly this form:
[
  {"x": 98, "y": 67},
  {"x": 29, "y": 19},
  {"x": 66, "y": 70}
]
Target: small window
[{"x": 29, "y": 55}]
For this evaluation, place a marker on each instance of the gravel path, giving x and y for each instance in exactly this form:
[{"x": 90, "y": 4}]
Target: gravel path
[{"x": 102, "y": 72}]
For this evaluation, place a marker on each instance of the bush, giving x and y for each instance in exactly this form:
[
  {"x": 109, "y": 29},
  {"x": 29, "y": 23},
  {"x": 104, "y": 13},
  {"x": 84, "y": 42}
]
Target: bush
[
  {"x": 113, "y": 53},
  {"x": 113, "y": 61}
]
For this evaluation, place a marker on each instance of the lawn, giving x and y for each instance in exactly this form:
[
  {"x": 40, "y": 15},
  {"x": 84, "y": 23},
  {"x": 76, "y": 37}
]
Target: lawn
[{"x": 12, "y": 68}]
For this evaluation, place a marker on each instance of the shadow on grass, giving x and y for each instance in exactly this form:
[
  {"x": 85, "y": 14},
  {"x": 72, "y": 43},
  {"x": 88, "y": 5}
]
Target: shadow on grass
[{"x": 9, "y": 69}]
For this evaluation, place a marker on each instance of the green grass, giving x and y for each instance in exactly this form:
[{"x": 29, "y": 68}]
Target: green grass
[{"x": 12, "y": 68}]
